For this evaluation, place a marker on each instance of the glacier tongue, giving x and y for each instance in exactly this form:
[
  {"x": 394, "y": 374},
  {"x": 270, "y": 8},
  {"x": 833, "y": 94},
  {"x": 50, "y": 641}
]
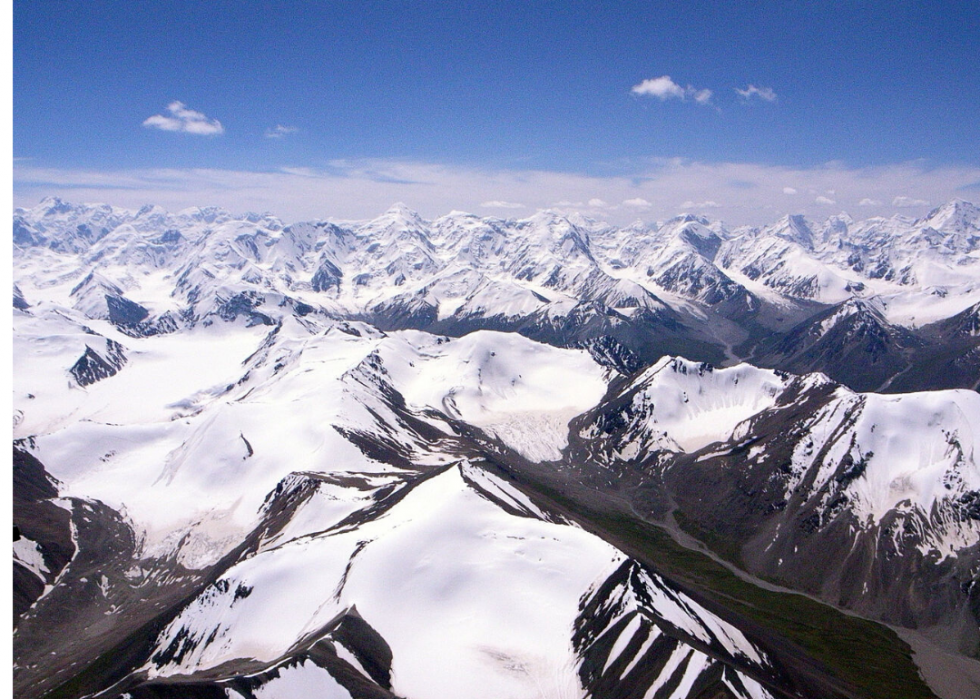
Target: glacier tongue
[{"x": 521, "y": 392}]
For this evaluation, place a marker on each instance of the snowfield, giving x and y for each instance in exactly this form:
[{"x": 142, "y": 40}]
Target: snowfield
[
  {"x": 415, "y": 576},
  {"x": 521, "y": 392},
  {"x": 138, "y": 441},
  {"x": 313, "y": 448},
  {"x": 691, "y": 406}
]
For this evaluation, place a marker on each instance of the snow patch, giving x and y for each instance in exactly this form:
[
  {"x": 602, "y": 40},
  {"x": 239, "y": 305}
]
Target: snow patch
[
  {"x": 28, "y": 554},
  {"x": 304, "y": 680},
  {"x": 695, "y": 405}
]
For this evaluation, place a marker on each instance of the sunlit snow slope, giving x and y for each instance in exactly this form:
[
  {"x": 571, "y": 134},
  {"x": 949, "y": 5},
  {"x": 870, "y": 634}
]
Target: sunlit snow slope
[{"x": 352, "y": 459}]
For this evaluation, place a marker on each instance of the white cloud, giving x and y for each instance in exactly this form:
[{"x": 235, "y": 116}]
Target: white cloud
[
  {"x": 638, "y": 203},
  {"x": 764, "y": 93},
  {"x": 908, "y": 202},
  {"x": 597, "y": 203},
  {"x": 664, "y": 89},
  {"x": 700, "y": 205},
  {"x": 279, "y": 131},
  {"x": 748, "y": 193},
  {"x": 869, "y": 202},
  {"x": 824, "y": 201},
  {"x": 789, "y": 190},
  {"x": 702, "y": 96},
  {"x": 186, "y": 120},
  {"x": 496, "y": 204}
]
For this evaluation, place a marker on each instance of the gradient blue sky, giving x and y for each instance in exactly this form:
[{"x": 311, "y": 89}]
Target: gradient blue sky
[{"x": 499, "y": 108}]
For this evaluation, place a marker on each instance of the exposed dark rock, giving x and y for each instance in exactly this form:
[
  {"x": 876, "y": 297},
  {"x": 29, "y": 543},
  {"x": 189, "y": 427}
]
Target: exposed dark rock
[
  {"x": 401, "y": 313},
  {"x": 851, "y": 343},
  {"x": 327, "y": 276},
  {"x": 39, "y": 520},
  {"x": 244, "y": 304},
  {"x": 610, "y": 352},
  {"x": 163, "y": 324},
  {"x": 122, "y": 311},
  {"x": 92, "y": 366},
  {"x": 20, "y": 302}
]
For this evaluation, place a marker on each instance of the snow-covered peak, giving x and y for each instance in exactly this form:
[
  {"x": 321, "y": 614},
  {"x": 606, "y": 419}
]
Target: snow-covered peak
[
  {"x": 836, "y": 228},
  {"x": 50, "y": 206},
  {"x": 399, "y": 225},
  {"x": 151, "y": 211},
  {"x": 206, "y": 214},
  {"x": 65, "y": 227},
  {"x": 683, "y": 220},
  {"x": 96, "y": 297},
  {"x": 558, "y": 234},
  {"x": 398, "y": 216},
  {"x": 477, "y": 241},
  {"x": 795, "y": 229},
  {"x": 414, "y": 272},
  {"x": 956, "y": 216},
  {"x": 690, "y": 233},
  {"x": 401, "y": 210},
  {"x": 917, "y": 448},
  {"x": 870, "y": 309},
  {"x": 95, "y": 281}
]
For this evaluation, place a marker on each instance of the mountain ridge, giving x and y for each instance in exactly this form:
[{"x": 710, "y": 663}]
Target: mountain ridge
[
  {"x": 687, "y": 286},
  {"x": 254, "y": 442}
]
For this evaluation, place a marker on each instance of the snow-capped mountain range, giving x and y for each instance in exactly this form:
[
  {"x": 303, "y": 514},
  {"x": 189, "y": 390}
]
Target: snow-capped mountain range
[
  {"x": 686, "y": 286},
  {"x": 403, "y": 457}
]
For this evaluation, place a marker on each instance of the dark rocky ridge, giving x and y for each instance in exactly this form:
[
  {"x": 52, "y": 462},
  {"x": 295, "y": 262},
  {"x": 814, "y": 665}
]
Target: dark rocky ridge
[
  {"x": 736, "y": 504},
  {"x": 92, "y": 366},
  {"x": 98, "y": 653}
]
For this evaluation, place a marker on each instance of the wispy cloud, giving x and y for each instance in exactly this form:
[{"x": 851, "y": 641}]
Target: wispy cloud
[
  {"x": 637, "y": 203},
  {"x": 279, "y": 131},
  {"x": 186, "y": 120},
  {"x": 789, "y": 190},
  {"x": 908, "y": 202},
  {"x": 746, "y": 193},
  {"x": 664, "y": 89},
  {"x": 765, "y": 94},
  {"x": 300, "y": 171},
  {"x": 701, "y": 96},
  {"x": 700, "y": 206},
  {"x": 497, "y": 204},
  {"x": 824, "y": 201}
]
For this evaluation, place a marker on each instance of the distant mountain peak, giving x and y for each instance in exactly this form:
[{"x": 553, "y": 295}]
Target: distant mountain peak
[
  {"x": 400, "y": 210},
  {"x": 796, "y": 229},
  {"x": 955, "y": 216}
]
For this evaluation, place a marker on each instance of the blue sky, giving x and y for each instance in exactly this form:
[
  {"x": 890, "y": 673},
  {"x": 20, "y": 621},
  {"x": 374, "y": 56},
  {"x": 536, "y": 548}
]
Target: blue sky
[{"x": 740, "y": 110}]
